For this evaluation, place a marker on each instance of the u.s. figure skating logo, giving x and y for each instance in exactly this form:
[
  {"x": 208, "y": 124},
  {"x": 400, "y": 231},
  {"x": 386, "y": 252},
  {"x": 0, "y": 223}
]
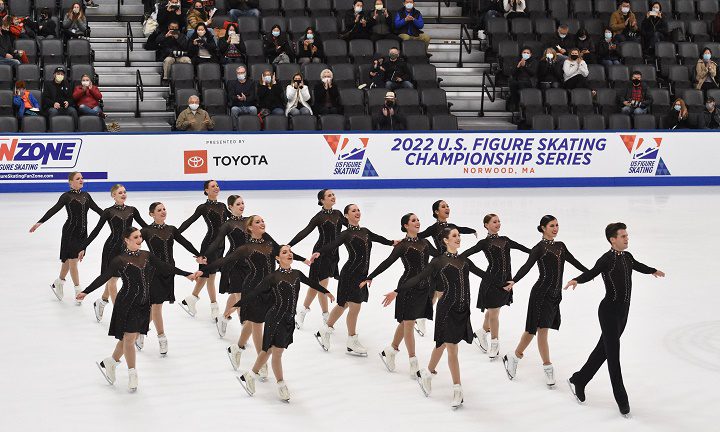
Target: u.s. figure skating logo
[
  {"x": 645, "y": 155},
  {"x": 351, "y": 156}
]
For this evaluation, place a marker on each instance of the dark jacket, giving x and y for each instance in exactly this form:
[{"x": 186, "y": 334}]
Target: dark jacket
[
  {"x": 307, "y": 52},
  {"x": 7, "y": 43},
  {"x": 270, "y": 98},
  {"x": 167, "y": 45},
  {"x": 673, "y": 121},
  {"x": 322, "y": 97},
  {"x": 652, "y": 25},
  {"x": 550, "y": 72},
  {"x": 230, "y": 51},
  {"x": 703, "y": 119},
  {"x": 394, "y": 122},
  {"x": 646, "y": 99},
  {"x": 54, "y": 92},
  {"x": 270, "y": 44},
  {"x": 526, "y": 73},
  {"x": 381, "y": 24},
  {"x": 356, "y": 28},
  {"x": 488, "y": 5},
  {"x": 396, "y": 69},
  {"x": 566, "y": 43},
  {"x": 164, "y": 18},
  {"x": 605, "y": 53},
  {"x": 47, "y": 28},
  {"x": 235, "y": 88},
  {"x": 411, "y": 28},
  {"x": 208, "y": 42}
]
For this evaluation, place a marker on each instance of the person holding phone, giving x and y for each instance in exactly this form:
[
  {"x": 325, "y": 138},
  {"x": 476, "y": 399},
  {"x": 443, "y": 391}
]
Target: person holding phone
[
  {"x": 298, "y": 97},
  {"x": 24, "y": 101},
  {"x": 232, "y": 48},
  {"x": 310, "y": 47}
]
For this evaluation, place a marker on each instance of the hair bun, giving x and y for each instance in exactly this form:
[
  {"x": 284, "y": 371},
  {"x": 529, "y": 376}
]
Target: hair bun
[{"x": 539, "y": 228}]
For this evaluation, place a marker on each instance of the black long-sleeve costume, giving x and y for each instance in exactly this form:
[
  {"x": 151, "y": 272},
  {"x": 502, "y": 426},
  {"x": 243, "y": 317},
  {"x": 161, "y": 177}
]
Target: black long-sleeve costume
[
  {"x": 77, "y": 203},
  {"x": 451, "y": 275},
  {"x": 234, "y": 229},
  {"x": 358, "y": 242},
  {"x": 329, "y": 224},
  {"x": 119, "y": 218},
  {"x": 497, "y": 251},
  {"x": 160, "y": 239},
  {"x": 616, "y": 268},
  {"x": 215, "y": 214},
  {"x": 131, "y": 312},
  {"x": 546, "y": 294},
  {"x": 435, "y": 231},
  {"x": 416, "y": 302},
  {"x": 280, "y": 290}
]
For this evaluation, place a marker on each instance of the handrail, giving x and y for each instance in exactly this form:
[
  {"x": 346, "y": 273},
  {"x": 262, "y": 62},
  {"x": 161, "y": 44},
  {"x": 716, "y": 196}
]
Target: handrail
[
  {"x": 485, "y": 91},
  {"x": 139, "y": 92},
  {"x": 129, "y": 44},
  {"x": 465, "y": 42},
  {"x": 117, "y": 14}
]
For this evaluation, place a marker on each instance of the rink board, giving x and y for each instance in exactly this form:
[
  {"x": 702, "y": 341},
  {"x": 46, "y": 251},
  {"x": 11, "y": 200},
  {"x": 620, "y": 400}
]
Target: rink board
[{"x": 181, "y": 161}]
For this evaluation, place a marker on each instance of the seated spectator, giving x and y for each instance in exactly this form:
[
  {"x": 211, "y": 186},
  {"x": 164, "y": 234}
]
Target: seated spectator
[
  {"x": 678, "y": 117},
  {"x": 654, "y": 28},
  {"x": 87, "y": 98},
  {"x": 199, "y": 14},
  {"x": 489, "y": 9},
  {"x": 8, "y": 54},
  {"x": 202, "y": 47},
  {"x": 357, "y": 24},
  {"x": 298, "y": 97},
  {"x": 57, "y": 96},
  {"x": 586, "y": 46},
  {"x": 384, "y": 23},
  {"x": 74, "y": 24},
  {"x": 561, "y": 41},
  {"x": 232, "y": 48},
  {"x": 608, "y": 53},
  {"x": 242, "y": 95},
  {"x": 575, "y": 71},
  {"x": 238, "y": 8},
  {"x": 20, "y": 30},
  {"x": 637, "y": 99},
  {"x": 388, "y": 117},
  {"x": 706, "y": 72},
  {"x": 409, "y": 23},
  {"x": 173, "y": 48},
  {"x": 709, "y": 118},
  {"x": 376, "y": 76},
  {"x": 3, "y": 9},
  {"x": 277, "y": 46},
  {"x": 194, "y": 118},
  {"x": 514, "y": 9},
  {"x": 550, "y": 72},
  {"x": 310, "y": 48},
  {"x": 168, "y": 12},
  {"x": 24, "y": 102},
  {"x": 269, "y": 94},
  {"x": 327, "y": 97},
  {"x": 397, "y": 73},
  {"x": 624, "y": 24},
  {"x": 45, "y": 25},
  {"x": 524, "y": 75}
]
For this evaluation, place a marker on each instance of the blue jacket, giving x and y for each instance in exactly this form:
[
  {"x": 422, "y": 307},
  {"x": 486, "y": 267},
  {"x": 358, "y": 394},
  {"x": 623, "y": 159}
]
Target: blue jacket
[
  {"x": 17, "y": 101},
  {"x": 411, "y": 28}
]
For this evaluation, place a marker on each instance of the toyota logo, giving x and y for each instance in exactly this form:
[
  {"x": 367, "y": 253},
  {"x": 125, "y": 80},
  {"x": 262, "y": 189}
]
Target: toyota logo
[{"x": 195, "y": 161}]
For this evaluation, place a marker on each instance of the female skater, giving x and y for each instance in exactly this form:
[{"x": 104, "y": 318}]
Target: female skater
[
  {"x": 77, "y": 203},
  {"x": 413, "y": 303},
  {"x": 544, "y": 304},
  {"x": 329, "y": 223},
  {"x": 214, "y": 213},
  {"x": 282, "y": 287},
  {"x": 119, "y": 217},
  {"x": 160, "y": 239},
  {"x": 451, "y": 273},
  {"x": 358, "y": 242},
  {"x": 131, "y": 314},
  {"x": 490, "y": 298}
]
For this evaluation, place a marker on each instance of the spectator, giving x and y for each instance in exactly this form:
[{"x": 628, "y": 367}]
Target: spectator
[
  {"x": 57, "y": 96},
  {"x": 270, "y": 98},
  {"x": 624, "y": 24},
  {"x": 88, "y": 97},
  {"x": 586, "y": 46},
  {"x": 298, "y": 97},
  {"x": 550, "y": 73},
  {"x": 310, "y": 48},
  {"x": 3, "y": 9},
  {"x": 202, "y": 47},
  {"x": 357, "y": 23},
  {"x": 409, "y": 23},
  {"x": 24, "y": 102},
  {"x": 20, "y": 30},
  {"x": 376, "y": 76},
  {"x": 397, "y": 73},
  {"x": 327, "y": 97},
  {"x": 198, "y": 14},
  {"x": 562, "y": 41},
  {"x": 242, "y": 95},
  {"x": 575, "y": 71},
  {"x": 8, "y": 54},
  {"x": 678, "y": 117},
  {"x": 709, "y": 118},
  {"x": 608, "y": 49},
  {"x": 173, "y": 48},
  {"x": 489, "y": 9},
  {"x": 654, "y": 28},
  {"x": 514, "y": 9},
  {"x": 74, "y": 24},
  {"x": 388, "y": 117},
  {"x": 277, "y": 46},
  {"x": 238, "y": 8},
  {"x": 524, "y": 75},
  {"x": 194, "y": 118},
  {"x": 46, "y": 26},
  {"x": 637, "y": 99},
  {"x": 232, "y": 48},
  {"x": 170, "y": 12},
  {"x": 706, "y": 71},
  {"x": 384, "y": 25}
]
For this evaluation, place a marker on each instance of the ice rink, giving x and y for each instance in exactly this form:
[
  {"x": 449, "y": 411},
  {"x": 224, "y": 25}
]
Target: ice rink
[{"x": 670, "y": 350}]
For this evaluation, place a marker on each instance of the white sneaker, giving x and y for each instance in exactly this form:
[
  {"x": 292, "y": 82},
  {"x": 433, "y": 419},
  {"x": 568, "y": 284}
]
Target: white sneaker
[
  {"x": 162, "y": 340},
  {"x": 107, "y": 367},
  {"x": 388, "y": 357},
  {"x": 354, "y": 346},
  {"x": 300, "y": 318},
  {"x": 494, "y": 349},
  {"x": 283, "y": 392},
  {"x": 420, "y": 326},
  {"x": 424, "y": 378},
  {"x": 325, "y": 316},
  {"x": 323, "y": 336},
  {"x": 188, "y": 304},
  {"x": 457, "y": 400},
  {"x": 234, "y": 353},
  {"x": 414, "y": 368},
  {"x": 99, "y": 307},
  {"x": 214, "y": 311},
  {"x": 132, "y": 380},
  {"x": 140, "y": 342},
  {"x": 57, "y": 288},
  {"x": 263, "y": 373},
  {"x": 510, "y": 361},
  {"x": 221, "y": 323},
  {"x": 549, "y": 375},
  {"x": 247, "y": 380},
  {"x": 480, "y": 339},
  {"x": 78, "y": 290}
]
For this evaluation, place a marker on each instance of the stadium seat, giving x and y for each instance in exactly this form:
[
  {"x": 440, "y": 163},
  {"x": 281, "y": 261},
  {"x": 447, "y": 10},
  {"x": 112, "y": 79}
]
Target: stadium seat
[
  {"x": 568, "y": 122},
  {"x": 208, "y": 76},
  {"x": 644, "y": 122},
  {"x": 408, "y": 100},
  {"x": 223, "y": 123},
  {"x": 542, "y": 122},
  {"x": 353, "y": 101},
  {"x": 8, "y": 124},
  {"x": 304, "y": 123},
  {"x": 417, "y": 122},
  {"x": 446, "y": 122},
  {"x": 360, "y": 123},
  {"x": 435, "y": 101},
  {"x": 34, "y": 124},
  {"x": 215, "y": 101},
  {"x": 619, "y": 122},
  {"x": 90, "y": 123},
  {"x": 276, "y": 123},
  {"x": 62, "y": 123},
  {"x": 332, "y": 122},
  {"x": 594, "y": 122}
]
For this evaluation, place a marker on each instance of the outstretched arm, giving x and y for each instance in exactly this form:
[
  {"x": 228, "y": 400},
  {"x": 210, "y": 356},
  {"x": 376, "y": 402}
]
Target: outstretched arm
[
  {"x": 313, "y": 284},
  {"x": 515, "y": 245},
  {"x": 139, "y": 219},
  {"x": 185, "y": 242},
  {"x": 572, "y": 260},
  {"x": 304, "y": 232},
  {"x": 600, "y": 265},
  {"x": 475, "y": 269},
  {"x": 276, "y": 248},
  {"x": 234, "y": 256},
  {"x": 165, "y": 268},
  {"x": 379, "y": 239},
  {"x": 94, "y": 207},
  {"x": 95, "y": 231},
  {"x": 340, "y": 239},
  {"x": 394, "y": 255},
  {"x": 110, "y": 272},
  {"x": 54, "y": 209},
  {"x": 185, "y": 225},
  {"x": 642, "y": 268},
  {"x": 218, "y": 242},
  {"x": 427, "y": 232},
  {"x": 479, "y": 246},
  {"x": 532, "y": 259},
  {"x": 465, "y": 230},
  {"x": 431, "y": 249}
]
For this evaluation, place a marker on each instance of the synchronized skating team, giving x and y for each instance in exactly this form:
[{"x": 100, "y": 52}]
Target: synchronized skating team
[{"x": 265, "y": 297}]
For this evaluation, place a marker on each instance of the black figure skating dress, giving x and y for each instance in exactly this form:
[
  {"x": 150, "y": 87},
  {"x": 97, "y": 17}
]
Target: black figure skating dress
[
  {"x": 329, "y": 224},
  {"x": 234, "y": 229},
  {"x": 435, "y": 231},
  {"x": 119, "y": 218},
  {"x": 77, "y": 203},
  {"x": 215, "y": 214}
]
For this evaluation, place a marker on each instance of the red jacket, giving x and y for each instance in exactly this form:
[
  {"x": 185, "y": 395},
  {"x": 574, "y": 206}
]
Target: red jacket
[{"x": 90, "y": 97}]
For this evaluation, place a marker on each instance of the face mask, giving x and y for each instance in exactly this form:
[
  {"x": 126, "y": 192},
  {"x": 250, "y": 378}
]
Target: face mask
[
  {"x": 678, "y": 107},
  {"x": 310, "y": 36},
  {"x": 327, "y": 80},
  {"x": 394, "y": 56},
  {"x": 608, "y": 36},
  {"x": 706, "y": 56},
  {"x": 2, "y": 7},
  {"x": 242, "y": 77},
  {"x": 201, "y": 33},
  {"x": 231, "y": 32},
  {"x": 635, "y": 81},
  {"x": 267, "y": 79},
  {"x": 525, "y": 56},
  {"x": 582, "y": 38},
  {"x": 562, "y": 36},
  {"x": 378, "y": 7},
  {"x": 710, "y": 106},
  {"x": 59, "y": 78},
  {"x": 625, "y": 10},
  {"x": 409, "y": 6},
  {"x": 549, "y": 56},
  {"x": 76, "y": 11},
  {"x": 574, "y": 57},
  {"x": 390, "y": 103},
  {"x": 276, "y": 33},
  {"x": 358, "y": 9},
  {"x": 656, "y": 10},
  {"x": 86, "y": 83},
  {"x": 194, "y": 107}
]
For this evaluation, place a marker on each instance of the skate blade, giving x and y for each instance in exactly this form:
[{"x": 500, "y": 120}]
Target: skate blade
[
  {"x": 163, "y": 355},
  {"x": 231, "y": 361},
  {"x": 572, "y": 390},
  {"x": 426, "y": 393},
  {"x": 627, "y": 416},
  {"x": 319, "y": 339},
  {"x": 456, "y": 407},
  {"x": 132, "y": 390},
  {"x": 505, "y": 362},
  {"x": 382, "y": 357},
  {"x": 186, "y": 309},
  {"x": 354, "y": 353},
  {"x": 476, "y": 342},
  {"x": 244, "y": 385},
  {"x": 52, "y": 287},
  {"x": 550, "y": 386},
  {"x": 420, "y": 333},
  {"x": 139, "y": 347},
  {"x": 102, "y": 371},
  {"x": 297, "y": 327},
  {"x": 219, "y": 329},
  {"x": 492, "y": 359}
]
